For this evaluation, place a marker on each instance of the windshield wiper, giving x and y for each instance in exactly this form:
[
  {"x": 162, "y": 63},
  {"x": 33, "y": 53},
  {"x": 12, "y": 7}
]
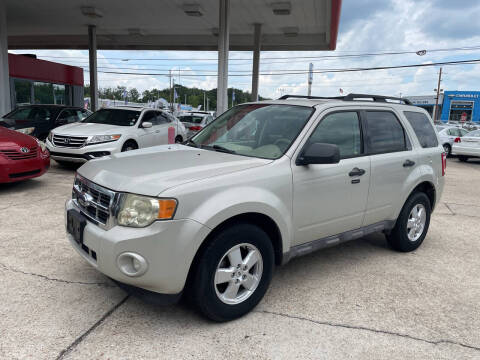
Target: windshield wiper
[
  {"x": 190, "y": 141},
  {"x": 223, "y": 149}
]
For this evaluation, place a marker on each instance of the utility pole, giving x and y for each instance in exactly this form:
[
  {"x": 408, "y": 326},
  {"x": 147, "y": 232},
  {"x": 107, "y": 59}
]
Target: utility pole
[
  {"x": 204, "y": 106},
  {"x": 435, "y": 112},
  {"x": 171, "y": 89},
  {"x": 310, "y": 79}
]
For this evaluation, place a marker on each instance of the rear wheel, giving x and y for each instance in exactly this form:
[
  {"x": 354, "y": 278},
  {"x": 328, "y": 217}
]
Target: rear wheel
[
  {"x": 178, "y": 139},
  {"x": 448, "y": 149},
  {"x": 233, "y": 273},
  {"x": 463, "y": 158},
  {"x": 412, "y": 223},
  {"x": 129, "y": 145}
]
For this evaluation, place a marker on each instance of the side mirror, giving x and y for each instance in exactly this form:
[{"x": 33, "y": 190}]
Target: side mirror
[
  {"x": 147, "y": 124},
  {"x": 319, "y": 153}
]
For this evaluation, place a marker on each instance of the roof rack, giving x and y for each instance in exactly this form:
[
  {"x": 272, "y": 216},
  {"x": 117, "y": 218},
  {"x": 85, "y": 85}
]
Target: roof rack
[{"x": 351, "y": 97}]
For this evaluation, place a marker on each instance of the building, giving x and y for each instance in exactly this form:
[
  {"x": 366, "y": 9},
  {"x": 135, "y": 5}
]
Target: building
[
  {"x": 461, "y": 103},
  {"x": 34, "y": 81},
  {"x": 427, "y": 102}
]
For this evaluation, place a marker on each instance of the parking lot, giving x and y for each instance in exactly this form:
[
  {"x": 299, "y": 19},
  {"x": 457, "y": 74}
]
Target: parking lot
[{"x": 359, "y": 300}]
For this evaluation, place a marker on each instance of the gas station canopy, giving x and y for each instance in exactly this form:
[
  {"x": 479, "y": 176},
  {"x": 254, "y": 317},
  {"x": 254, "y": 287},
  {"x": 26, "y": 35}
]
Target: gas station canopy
[{"x": 171, "y": 25}]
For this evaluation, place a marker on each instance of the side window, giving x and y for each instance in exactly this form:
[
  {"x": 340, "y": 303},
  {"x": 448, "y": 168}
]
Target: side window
[
  {"x": 341, "y": 129},
  {"x": 453, "y": 132},
  {"x": 463, "y": 132},
  {"x": 423, "y": 128},
  {"x": 67, "y": 116},
  {"x": 162, "y": 118},
  {"x": 385, "y": 133},
  {"x": 150, "y": 116}
]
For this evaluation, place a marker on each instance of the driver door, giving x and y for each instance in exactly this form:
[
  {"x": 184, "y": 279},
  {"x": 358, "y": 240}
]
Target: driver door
[
  {"x": 330, "y": 199},
  {"x": 147, "y": 136}
]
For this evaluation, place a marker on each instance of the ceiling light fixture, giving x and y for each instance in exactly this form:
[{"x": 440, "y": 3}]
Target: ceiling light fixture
[
  {"x": 193, "y": 10},
  {"x": 92, "y": 12},
  {"x": 281, "y": 8}
]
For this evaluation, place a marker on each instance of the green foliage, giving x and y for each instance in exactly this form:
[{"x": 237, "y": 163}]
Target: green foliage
[{"x": 194, "y": 95}]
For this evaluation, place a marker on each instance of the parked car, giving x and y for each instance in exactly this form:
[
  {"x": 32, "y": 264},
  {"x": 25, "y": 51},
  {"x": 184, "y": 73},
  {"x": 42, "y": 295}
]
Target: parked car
[
  {"x": 195, "y": 121},
  {"x": 212, "y": 217},
  {"x": 38, "y": 120},
  {"x": 449, "y": 135},
  {"x": 113, "y": 130},
  {"x": 468, "y": 146},
  {"x": 21, "y": 156}
]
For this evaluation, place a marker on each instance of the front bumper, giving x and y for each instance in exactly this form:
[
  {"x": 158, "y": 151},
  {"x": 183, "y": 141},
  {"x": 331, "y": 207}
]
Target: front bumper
[
  {"x": 83, "y": 154},
  {"x": 167, "y": 246},
  {"x": 18, "y": 170}
]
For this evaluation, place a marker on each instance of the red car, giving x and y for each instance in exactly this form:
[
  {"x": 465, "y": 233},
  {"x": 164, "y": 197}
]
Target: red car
[{"x": 21, "y": 156}]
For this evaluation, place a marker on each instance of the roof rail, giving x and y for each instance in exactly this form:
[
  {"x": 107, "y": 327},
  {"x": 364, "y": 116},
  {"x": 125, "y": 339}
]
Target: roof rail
[
  {"x": 350, "y": 97},
  {"x": 375, "y": 98},
  {"x": 285, "y": 97}
]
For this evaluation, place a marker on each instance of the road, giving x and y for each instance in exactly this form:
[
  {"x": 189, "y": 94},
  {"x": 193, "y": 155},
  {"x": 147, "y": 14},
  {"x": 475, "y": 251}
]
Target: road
[{"x": 359, "y": 300}]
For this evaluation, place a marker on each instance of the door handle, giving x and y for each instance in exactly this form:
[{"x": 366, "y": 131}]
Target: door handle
[
  {"x": 157, "y": 131},
  {"x": 408, "y": 163},
  {"x": 356, "y": 172}
]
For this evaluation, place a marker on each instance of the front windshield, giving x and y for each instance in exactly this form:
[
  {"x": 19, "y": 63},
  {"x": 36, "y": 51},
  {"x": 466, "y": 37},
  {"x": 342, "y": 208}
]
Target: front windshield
[
  {"x": 259, "y": 130},
  {"x": 191, "y": 119},
  {"x": 117, "y": 117}
]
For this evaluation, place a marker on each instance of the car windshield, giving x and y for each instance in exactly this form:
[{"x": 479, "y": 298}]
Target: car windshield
[
  {"x": 118, "y": 117},
  {"x": 191, "y": 119},
  {"x": 34, "y": 113},
  {"x": 258, "y": 130}
]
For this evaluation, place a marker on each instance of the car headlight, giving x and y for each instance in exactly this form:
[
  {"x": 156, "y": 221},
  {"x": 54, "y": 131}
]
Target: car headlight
[
  {"x": 42, "y": 145},
  {"x": 27, "y": 131},
  {"x": 140, "y": 211},
  {"x": 103, "y": 138}
]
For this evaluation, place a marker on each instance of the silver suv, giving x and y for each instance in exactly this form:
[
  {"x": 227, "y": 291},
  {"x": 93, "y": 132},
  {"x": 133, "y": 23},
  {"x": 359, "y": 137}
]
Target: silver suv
[{"x": 263, "y": 183}]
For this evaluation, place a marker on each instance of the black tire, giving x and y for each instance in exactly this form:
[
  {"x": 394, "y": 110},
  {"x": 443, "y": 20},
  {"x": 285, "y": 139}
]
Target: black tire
[
  {"x": 178, "y": 139},
  {"x": 129, "y": 145},
  {"x": 448, "y": 149},
  {"x": 463, "y": 158},
  {"x": 203, "y": 289},
  {"x": 398, "y": 238}
]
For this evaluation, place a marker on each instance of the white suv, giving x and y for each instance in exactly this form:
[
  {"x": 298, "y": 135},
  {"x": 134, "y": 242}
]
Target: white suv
[
  {"x": 263, "y": 183},
  {"x": 113, "y": 130}
]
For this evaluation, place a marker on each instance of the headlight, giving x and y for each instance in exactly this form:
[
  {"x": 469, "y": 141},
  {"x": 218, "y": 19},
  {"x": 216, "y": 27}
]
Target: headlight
[
  {"x": 103, "y": 138},
  {"x": 42, "y": 145},
  {"x": 141, "y": 211},
  {"x": 27, "y": 131}
]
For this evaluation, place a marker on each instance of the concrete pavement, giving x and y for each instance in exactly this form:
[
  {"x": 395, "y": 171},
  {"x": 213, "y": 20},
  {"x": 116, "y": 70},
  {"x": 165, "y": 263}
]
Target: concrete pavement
[{"x": 359, "y": 300}]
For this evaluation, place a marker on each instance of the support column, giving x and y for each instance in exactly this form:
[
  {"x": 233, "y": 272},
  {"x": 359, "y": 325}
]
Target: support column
[
  {"x": 256, "y": 60},
  {"x": 92, "y": 55},
  {"x": 223, "y": 49},
  {"x": 5, "y": 101}
]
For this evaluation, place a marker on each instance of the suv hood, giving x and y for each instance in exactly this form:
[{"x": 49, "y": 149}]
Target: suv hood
[
  {"x": 153, "y": 170},
  {"x": 88, "y": 129}
]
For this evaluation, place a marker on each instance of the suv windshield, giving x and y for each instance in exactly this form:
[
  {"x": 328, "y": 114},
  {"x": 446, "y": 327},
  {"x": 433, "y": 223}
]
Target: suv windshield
[
  {"x": 191, "y": 119},
  {"x": 118, "y": 117},
  {"x": 259, "y": 130}
]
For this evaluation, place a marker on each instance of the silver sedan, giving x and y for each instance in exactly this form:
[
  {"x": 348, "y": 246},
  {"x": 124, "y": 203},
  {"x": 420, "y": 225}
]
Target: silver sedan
[{"x": 449, "y": 135}]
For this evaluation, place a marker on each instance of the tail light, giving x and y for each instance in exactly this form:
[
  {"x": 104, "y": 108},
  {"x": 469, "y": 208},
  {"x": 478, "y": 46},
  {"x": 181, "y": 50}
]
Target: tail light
[
  {"x": 195, "y": 128},
  {"x": 444, "y": 163},
  {"x": 457, "y": 140}
]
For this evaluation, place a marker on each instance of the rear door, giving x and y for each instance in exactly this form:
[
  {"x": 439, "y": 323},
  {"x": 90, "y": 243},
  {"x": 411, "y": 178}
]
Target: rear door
[
  {"x": 161, "y": 129},
  {"x": 392, "y": 160},
  {"x": 330, "y": 199}
]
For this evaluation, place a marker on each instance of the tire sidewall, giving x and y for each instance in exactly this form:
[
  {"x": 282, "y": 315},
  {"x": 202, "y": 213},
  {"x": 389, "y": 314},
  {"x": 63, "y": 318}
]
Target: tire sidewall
[
  {"x": 205, "y": 293},
  {"x": 126, "y": 145},
  {"x": 402, "y": 242}
]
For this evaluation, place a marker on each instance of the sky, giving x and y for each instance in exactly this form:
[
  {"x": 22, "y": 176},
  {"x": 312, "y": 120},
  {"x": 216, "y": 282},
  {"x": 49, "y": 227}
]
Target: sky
[{"x": 366, "y": 26}]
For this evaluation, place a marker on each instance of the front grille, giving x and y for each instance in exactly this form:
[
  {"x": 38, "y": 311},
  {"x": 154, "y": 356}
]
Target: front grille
[
  {"x": 69, "y": 141},
  {"x": 19, "y": 155},
  {"x": 93, "y": 200}
]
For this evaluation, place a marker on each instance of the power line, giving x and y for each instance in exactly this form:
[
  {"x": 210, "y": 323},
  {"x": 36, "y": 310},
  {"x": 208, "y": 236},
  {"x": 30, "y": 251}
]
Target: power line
[{"x": 321, "y": 71}]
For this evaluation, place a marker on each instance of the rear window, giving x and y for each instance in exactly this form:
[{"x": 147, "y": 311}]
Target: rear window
[
  {"x": 423, "y": 128},
  {"x": 385, "y": 133},
  {"x": 191, "y": 119}
]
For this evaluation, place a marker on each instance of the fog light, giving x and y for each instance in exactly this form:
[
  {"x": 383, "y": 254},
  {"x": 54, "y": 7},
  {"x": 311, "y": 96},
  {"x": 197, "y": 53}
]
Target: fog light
[{"x": 132, "y": 264}]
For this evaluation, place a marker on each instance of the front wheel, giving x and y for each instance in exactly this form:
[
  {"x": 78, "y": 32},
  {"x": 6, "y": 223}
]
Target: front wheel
[
  {"x": 129, "y": 146},
  {"x": 412, "y": 223},
  {"x": 178, "y": 139},
  {"x": 234, "y": 272}
]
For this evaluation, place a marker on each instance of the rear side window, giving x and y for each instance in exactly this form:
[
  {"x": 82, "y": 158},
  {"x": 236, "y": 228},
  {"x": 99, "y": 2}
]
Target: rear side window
[
  {"x": 385, "y": 133},
  {"x": 423, "y": 128}
]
